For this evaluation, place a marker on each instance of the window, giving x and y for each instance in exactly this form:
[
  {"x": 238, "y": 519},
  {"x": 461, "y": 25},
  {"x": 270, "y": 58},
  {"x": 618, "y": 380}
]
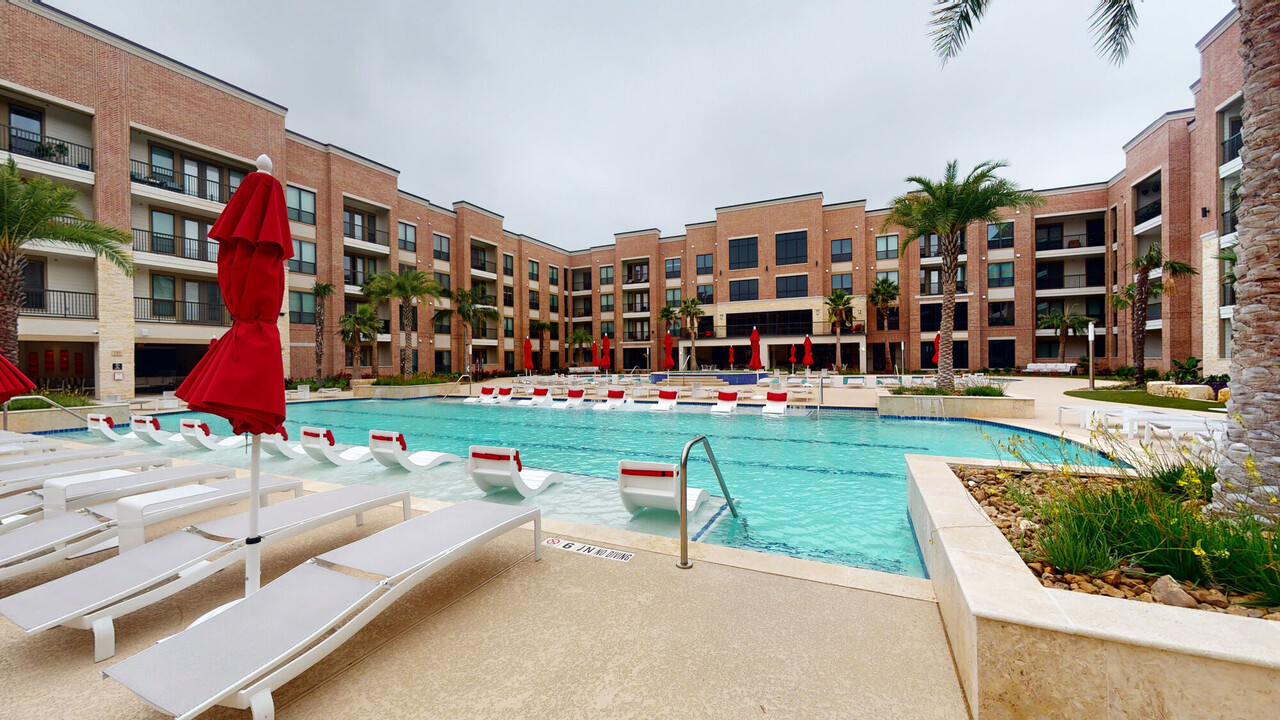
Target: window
[
  {"x": 999, "y": 235},
  {"x": 533, "y": 269},
  {"x": 508, "y": 265},
  {"x": 606, "y": 274},
  {"x": 842, "y": 281},
  {"x": 606, "y": 302},
  {"x": 441, "y": 326},
  {"x": 508, "y": 296},
  {"x": 509, "y": 360},
  {"x": 1000, "y": 274},
  {"x": 636, "y": 301},
  {"x": 673, "y": 267},
  {"x": 931, "y": 246},
  {"x": 606, "y": 328},
  {"x": 406, "y": 268},
  {"x": 555, "y": 302},
  {"x": 706, "y": 294},
  {"x": 301, "y": 204},
  {"x": 553, "y": 276},
  {"x": 534, "y": 300},
  {"x": 931, "y": 317},
  {"x": 1001, "y": 353},
  {"x": 792, "y": 248},
  {"x": 889, "y": 317},
  {"x": 1224, "y": 338},
  {"x": 304, "y": 257},
  {"x": 1000, "y": 314},
  {"x": 1046, "y": 348},
  {"x": 302, "y": 308},
  {"x": 744, "y": 289},
  {"x": 705, "y": 264},
  {"x": 358, "y": 225},
  {"x": 357, "y": 270},
  {"x": 442, "y": 279},
  {"x": 439, "y": 247},
  {"x": 842, "y": 250},
  {"x": 408, "y": 237},
  {"x": 891, "y": 274},
  {"x": 1048, "y": 237},
  {"x": 1049, "y": 307},
  {"x": 742, "y": 253},
  {"x": 673, "y": 297},
  {"x": 444, "y": 361},
  {"x": 959, "y": 354},
  {"x": 931, "y": 281},
  {"x": 793, "y": 286},
  {"x": 582, "y": 306},
  {"x": 886, "y": 247}
]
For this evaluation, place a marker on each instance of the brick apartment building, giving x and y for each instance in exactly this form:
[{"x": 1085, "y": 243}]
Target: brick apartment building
[{"x": 157, "y": 147}]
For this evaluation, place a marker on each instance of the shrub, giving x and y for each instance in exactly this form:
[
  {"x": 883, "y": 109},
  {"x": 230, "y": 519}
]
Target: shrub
[
  {"x": 416, "y": 379},
  {"x": 1151, "y": 374},
  {"x": 985, "y": 391},
  {"x": 918, "y": 390},
  {"x": 65, "y": 399},
  {"x": 1124, "y": 371}
]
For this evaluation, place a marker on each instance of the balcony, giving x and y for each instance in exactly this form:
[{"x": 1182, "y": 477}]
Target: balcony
[
  {"x": 635, "y": 307},
  {"x": 933, "y": 249},
  {"x": 1067, "y": 242},
  {"x": 632, "y": 278},
  {"x": 366, "y": 234},
  {"x": 581, "y": 311},
  {"x": 183, "y": 247},
  {"x": 190, "y": 185},
  {"x": 635, "y": 336},
  {"x": 180, "y": 311},
  {"x": 44, "y": 147},
  {"x": 1230, "y": 223},
  {"x": 484, "y": 265},
  {"x": 1155, "y": 311},
  {"x": 1146, "y": 212},
  {"x": 1231, "y": 148},
  {"x": 485, "y": 334},
  {"x": 59, "y": 303},
  {"x": 580, "y": 285},
  {"x": 935, "y": 288},
  {"x": 769, "y": 330},
  {"x": 354, "y": 277},
  {"x": 487, "y": 301},
  {"x": 1060, "y": 282}
]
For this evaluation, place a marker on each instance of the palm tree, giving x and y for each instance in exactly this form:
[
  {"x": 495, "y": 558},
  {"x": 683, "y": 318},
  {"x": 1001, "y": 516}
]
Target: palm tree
[
  {"x": 1137, "y": 295},
  {"x": 39, "y": 209},
  {"x": 691, "y": 310},
  {"x": 470, "y": 305},
  {"x": 668, "y": 315},
  {"x": 1072, "y": 322},
  {"x": 839, "y": 311},
  {"x": 543, "y": 329},
  {"x": 944, "y": 208},
  {"x": 884, "y": 295},
  {"x": 409, "y": 286},
  {"x": 322, "y": 291},
  {"x": 577, "y": 340},
  {"x": 354, "y": 327}
]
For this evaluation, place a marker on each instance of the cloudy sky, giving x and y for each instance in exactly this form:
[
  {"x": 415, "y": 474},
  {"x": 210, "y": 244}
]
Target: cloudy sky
[{"x": 577, "y": 119}]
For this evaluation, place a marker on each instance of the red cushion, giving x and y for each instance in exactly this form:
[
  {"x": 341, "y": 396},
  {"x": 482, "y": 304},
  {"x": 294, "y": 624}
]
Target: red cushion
[
  {"x": 519, "y": 465},
  {"x": 155, "y": 423},
  {"x": 668, "y": 394},
  {"x": 400, "y": 437},
  {"x": 648, "y": 473},
  {"x": 539, "y": 392},
  {"x": 617, "y": 394},
  {"x": 499, "y": 458},
  {"x": 576, "y": 393},
  {"x": 504, "y": 391},
  {"x": 486, "y": 390},
  {"x": 777, "y": 396},
  {"x": 328, "y": 435},
  {"x": 729, "y": 396},
  {"x": 107, "y": 419},
  {"x": 204, "y": 427}
]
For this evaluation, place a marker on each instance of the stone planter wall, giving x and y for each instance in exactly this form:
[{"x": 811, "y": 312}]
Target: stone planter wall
[
  {"x": 958, "y": 406},
  {"x": 1174, "y": 390},
  {"x": 28, "y": 421},
  {"x": 402, "y": 392}
]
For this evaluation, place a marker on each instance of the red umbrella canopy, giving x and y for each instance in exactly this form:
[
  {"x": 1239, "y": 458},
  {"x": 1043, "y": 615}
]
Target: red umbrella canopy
[
  {"x": 241, "y": 376},
  {"x": 12, "y": 382},
  {"x": 793, "y": 353},
  {"x": 755, "y": 363},
  {"x": 730, "y": 354},
  {"x": 668, "y": 362},
  {"x": 595, "y": 354},
  {"x": 528, "y": 353},
  {"x": 808, "y": 351},
  {"x": 606, "y": 360},
  {"x": 937, "y": 341}
]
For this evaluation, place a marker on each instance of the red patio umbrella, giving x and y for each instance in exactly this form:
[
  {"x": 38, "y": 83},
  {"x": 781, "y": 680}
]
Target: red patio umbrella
[
  {"x": 730, "y": 356},
  {"x": 595, "y": 354},
  {"x": 808, "y": 352},
  {"x": 12, "y": 382},
  {"x": 937, "y": 341},
  {"x": 793, "y": 354},
  {"x": 667, "y": 362},
  {"x": 241, "y": 376},
  {"x": 606, "y": 359},
  {"x": 528, "y": 354},
  {"x": 755, "y": 363}
]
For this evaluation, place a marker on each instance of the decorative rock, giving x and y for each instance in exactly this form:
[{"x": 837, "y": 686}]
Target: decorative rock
[
  {"x": 1025, "y": 525},
  {"x": 1036, "y": 568},
  {"x": 1112, "y": 592},
  {"x": 1224, "y": 395},
  {"x": 1147, "y": 597},
  {"x": 1272, "y": 616},
  {"x": 1112, "y": 577},
  {"x": 979, "y": 494},
  {"x": 1215, "y": 598},
  {"x": 1167, "y": 591}
]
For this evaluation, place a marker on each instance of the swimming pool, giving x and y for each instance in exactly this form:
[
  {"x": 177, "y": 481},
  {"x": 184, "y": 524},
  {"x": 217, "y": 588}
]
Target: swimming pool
[{"x": 830, "y": 489}]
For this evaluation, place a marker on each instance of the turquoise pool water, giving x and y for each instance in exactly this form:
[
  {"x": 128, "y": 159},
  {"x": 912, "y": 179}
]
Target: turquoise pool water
[{"x": 829, "y": 488}]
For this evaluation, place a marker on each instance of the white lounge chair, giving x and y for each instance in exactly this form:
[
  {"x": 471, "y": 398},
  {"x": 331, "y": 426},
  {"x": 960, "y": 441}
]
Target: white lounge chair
[
  {"x": 577, "y": 397},
  {"x": 29, "y": 448},
  {"x": 18, "y": 462},
  {"x": 504, "y": 395},
  {"x": 492, "y": 468},
  {"x": 197, "y": 435},
  {"x": 726, "y": 401},
  {"x": 1086, "y": 413},
  {"x": 104, "y": 427},
  {"x": 278, "y": 445},
  {"x": 654, "y": 485},
  {"x": 302, "y": 392},
  {"x": 615, "y": 398},
  {"x": 92, "y": 598},
  {"x": 1128, "y": 419},
  {"x": 1177, "y": 427},
  {"x": 775, "y": 403},
  {"x": 389, "y": 448},
  {"x": 29, "y": 478},
  {"x": 541, "y": 396},
  {"x": 320, "y": 445},
  {"x": 240, "y": 656},
  {"x": 485, "y": 392},
  {"x": 667, "y": 399},
  {"x": 147, "y": 429}
]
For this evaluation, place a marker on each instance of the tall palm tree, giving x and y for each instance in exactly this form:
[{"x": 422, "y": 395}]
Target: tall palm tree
[
  {"x": 354, "y": 327},
  {"x": 408, "y": 287},
  {"x": 472, "y": 306},
  {"x": 322, "y": 292},
  {"x": 1070, "y": 322},
  {"x": 543, "y": 329},
  {"x": 691, "y": 311},
  {"x": 884, "y": 295},
  {"x": 839, "y": 310},
  {"x": 944, "y": 208},
  {"x": 669, "y": 316},
  {"x": 577, "y": 341},
  {"x": 1136, "y": 297},
  {"x": 39, "y": 209}
]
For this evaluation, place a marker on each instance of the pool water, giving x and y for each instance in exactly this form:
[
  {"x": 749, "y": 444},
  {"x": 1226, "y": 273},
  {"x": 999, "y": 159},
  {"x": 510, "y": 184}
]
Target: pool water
[{"x": 829, "y": 488}]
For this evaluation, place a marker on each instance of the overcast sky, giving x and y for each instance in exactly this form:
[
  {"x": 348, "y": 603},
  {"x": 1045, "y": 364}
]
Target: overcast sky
[{"x": 579, "y": 119}]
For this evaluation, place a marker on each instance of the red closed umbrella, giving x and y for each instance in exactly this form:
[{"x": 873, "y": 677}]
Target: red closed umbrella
[
  {"x": 755, "y": 363},
  {"x": 528, "y": 354},
  {"x": 730, "y": 356},
  {"x": 937, "y": 342},
  {"x": 595, "y": 354},
  {"x": 793, "y": 354},
  {"x": 668, "y": 362},
  {"x": 808, "y": 352},
  {"x": 12, "y": 382},
  {"x": 606, "y": 360}
]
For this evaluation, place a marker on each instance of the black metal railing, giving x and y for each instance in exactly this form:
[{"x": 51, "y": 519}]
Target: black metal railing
[
  {"x": 636, "y": 277},
  {"x": 935, "y": 288},
  {"x": 635, "y": 307},
  {"x": 366, "y": 234},
  {"x": 180, "y": 311},
  {"x": 59, "y": 303},
  {"x": 1231, "y": 148},
  {"x": 581, "y": 285},
  {"x": 354, "y": 277},
  {"x": 636, "y": 336},
  {"x": 934, "y": 249},
  {"x": 1070, "y": 241},
  {"x": 1230, "y": 223},
  {"x": 486, "y": 333},
  {"x": 44, "y": 147},
  {"x": 581, "y": 310},
  {"x": 177, "y": 245},
  {"x": 769, "y": 329},
  {"x": 168, "y": 179},
  {"x": 1059, "y": 282},
  {"x": 483, "y": 265},
  {"x": 1146, "y": 212}
]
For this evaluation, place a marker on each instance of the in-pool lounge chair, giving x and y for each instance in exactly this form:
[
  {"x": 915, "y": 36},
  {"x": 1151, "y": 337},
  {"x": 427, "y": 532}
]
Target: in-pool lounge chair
[
  {"x": 577, "y": 398},
  {"x": 62, "y": 536},
  {"x": 493, "y": 468},
  {"x": 654, "y": 485},
  {"x": 30, "y": 478},
  {"x": 485, "y": 393},
  {"x": 389, "y": 448},
  {"x": 147, "y": 429},
  {"x": 91, "y": 598},
  {"x": 775, "y": 403},
  {"x": 278, "y": 445},
  {"x": 726, "y": 401},
  {"x": 104, "y": 427},
  {"x": 319, "y": 444},
  {"x": 504, "y": 395},
  {"x": 197, "y": 435},
  {"x": 541, "y": 396},
  {"x": 667, "y": 399},
  {"x": 615, "y": 398},
  {"x": 240, "y": 656}
]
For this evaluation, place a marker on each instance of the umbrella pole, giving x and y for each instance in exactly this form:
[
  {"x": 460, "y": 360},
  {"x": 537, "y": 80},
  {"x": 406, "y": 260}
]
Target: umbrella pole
[{"x": 253, "y": 557}]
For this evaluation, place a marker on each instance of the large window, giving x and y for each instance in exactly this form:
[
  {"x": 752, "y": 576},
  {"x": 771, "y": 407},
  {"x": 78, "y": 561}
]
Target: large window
[
  {"x": 999, "y": 235},
  {"x": 442, "y": 279},
  {"x": 533, "y": 269},
  {"x": 606, "y": 274},
  {"x": 508, "y": 296},
  {"x": 1001, "y": 353},
  {"x": 931, "y": 246},
  {"x": 742, "y": 253},
  {"x": 534, "y": 300},
  {"x": 508, "y": 265},
  {"x": 555, "y": 302},
  {"x": 842, "y": 281},
  {"x": 931, "y": 281},
  {"x": 673, "y": 267},
  {"x": 1000, "y": 274},
  {"x": 1000, "y": 314},
  {"x": 301, "y": 204},
  {"x": 1048, "y": 237},
  {"x": 302, "y": 308},
  {"x": 790, "y": 286},
  {"x": 744, "y": 290},
  {"x": 408, "y": 237},
  {"x": 304, "y": 257},
  {"x": 440, "y": 246},
  {"x": 886, "y": 247},
  {"x": 842, "y": 250},
  {"x": 553, "y": 275},
  {"x": 606, "y": 302},
  {"x": 931, "y": 317},
  {"x": 706, "y": 264},
  {"x": 673, "y": 297},
  {"x": 792, "y": 248},
  {"x": 440, "y": 325},
  {"x": 706, "y": 294},
  {"x": 606, "y": 328},
  {"x": 444, "y": 361}
]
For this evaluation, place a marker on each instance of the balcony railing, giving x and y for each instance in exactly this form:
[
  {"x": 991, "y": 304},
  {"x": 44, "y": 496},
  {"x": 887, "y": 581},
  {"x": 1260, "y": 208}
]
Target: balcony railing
[
  {"x": 59, "y": 303},
  {"x": 44, "y": 147},
  {"x": 486, "y": 334},
  {"x": 1229, "y": 222},
  {"x": 1071, "y": 241},
  {"x": 581, "y": 285},
  {"x": 366, "y": 234},
  {"x": 1146, "y": 212},
  {"x": 581, "y": 311},
  {"x": 635, "y": 307},
  {"x": 354, "y": 277},
  {"x": 934, "y": 249},
  {"x": 180, "y": 311},
  {"x": 636, "y": 336},
  {"x": 636, "y": 277},
  {"x": 769, "y": 329},
  {"x": 1231, "y": 148},
  {"x": 169, "y": 179},
  {"x": 487, "y": 301},
  {"x": 1059, "y": 282},
  {"x": 935, "y": 288},
  {"x": 183, "y": 247},
  {"x": 483, "y": 265}
]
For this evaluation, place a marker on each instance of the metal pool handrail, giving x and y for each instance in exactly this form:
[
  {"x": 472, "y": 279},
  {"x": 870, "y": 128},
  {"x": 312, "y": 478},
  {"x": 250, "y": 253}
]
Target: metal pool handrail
[
  {"x": 684, "y": 563},
  {"x": 458, "y": 382},
  {"x": 36, "y": 397}
]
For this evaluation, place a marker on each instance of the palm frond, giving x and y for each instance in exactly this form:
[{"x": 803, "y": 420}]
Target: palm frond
[
  {"x": 952, "y": 22},
  {"x": 1113, "y": 22}
]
